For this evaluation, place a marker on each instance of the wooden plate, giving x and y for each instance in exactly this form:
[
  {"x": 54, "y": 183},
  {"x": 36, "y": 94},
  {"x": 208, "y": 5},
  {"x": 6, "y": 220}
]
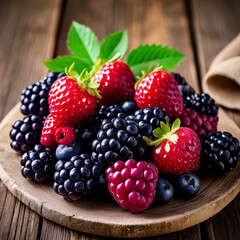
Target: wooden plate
[{"x": 103, "y": 216}]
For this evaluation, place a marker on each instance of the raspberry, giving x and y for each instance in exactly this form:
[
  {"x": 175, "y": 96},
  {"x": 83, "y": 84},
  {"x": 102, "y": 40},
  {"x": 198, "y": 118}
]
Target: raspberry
[
  {"x": 65, "y": 135},
  {"x": 34, "y": 98},
  {"x": 201, "y": 124},
  {"x": 38, "y": 164},
  {"x": 26, "y": 133},
  {"x": 220, "y": 151},
  {"x": 76, "y": 178},
  {"x": 132, "y": 184}
]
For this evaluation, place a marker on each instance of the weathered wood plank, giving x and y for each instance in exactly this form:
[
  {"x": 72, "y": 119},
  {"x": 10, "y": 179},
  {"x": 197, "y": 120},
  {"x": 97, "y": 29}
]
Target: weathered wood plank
[
  {"x": 27, "y": 32},
  {"x": 16, "y": 220},
  {"x": 224, "y": 18}
]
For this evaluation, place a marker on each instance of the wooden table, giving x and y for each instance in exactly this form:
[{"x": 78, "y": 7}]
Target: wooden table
[{"x": 31, "y": 31}]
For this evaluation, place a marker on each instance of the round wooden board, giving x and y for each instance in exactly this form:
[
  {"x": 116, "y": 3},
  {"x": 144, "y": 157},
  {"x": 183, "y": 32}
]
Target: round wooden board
[{"x": 103, "y": 216}]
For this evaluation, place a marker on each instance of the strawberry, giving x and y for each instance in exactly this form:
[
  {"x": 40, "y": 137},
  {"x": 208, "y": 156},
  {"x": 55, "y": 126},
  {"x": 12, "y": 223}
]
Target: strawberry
[
  {"x": 159, "y": 89},
  {"x": 132, "y": 184},
  {"x": 51, "y": 124},
  {"x": 177, "y": 150},
  {"x": 116, "y": 82},
  {"x": 70, "y": 102}
]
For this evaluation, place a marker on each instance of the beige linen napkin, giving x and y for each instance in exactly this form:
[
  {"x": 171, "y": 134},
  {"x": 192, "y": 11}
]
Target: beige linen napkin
[{"x": 222, "y": 80}]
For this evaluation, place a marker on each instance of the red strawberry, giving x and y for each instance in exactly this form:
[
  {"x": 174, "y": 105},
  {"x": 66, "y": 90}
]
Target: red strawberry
[
  {"x": 159, "y": 89},
  {"x": 177, "y": 150},
  {"x": 51, "y": 124},
  {"x": 69, "y": 101},
  {"x": 132, "y": 184},
  {"x": 116, "y": 82}
]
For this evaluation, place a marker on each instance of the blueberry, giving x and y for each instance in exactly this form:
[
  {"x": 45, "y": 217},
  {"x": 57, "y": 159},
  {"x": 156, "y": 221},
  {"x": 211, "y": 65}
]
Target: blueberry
[
  {"x": 164, "y": 191},
  {"x": 128, "y": 107},
  {"x": 64, "y": 152},
  {"x": 188, "y": 185}
]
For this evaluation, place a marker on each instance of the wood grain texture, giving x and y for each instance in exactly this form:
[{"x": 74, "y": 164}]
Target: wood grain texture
[
  {"x": 27, "y": 32},
  {"x": 101, "y": 216},
  {"x": 16, "y": 220},
  {"x": 210, "y": 39}
]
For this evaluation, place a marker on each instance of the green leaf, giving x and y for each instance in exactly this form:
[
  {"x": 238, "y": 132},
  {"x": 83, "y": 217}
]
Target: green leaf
[
  {"x": 82, "y": 42},
  {"x": 60, "y": 63},
  {"x": 147, "y": 57},
  {"x": 113, "y": 44}
]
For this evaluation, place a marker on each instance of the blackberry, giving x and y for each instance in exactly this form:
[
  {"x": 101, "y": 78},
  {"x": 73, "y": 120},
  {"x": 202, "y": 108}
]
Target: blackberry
[
  {"x": 77, "y": 177},
  {"x": 34, "y": 98},
  {"x": 118, "y": 139},
  {"x": 38, "y": 164},
  {"x": 184, "y": 88},
  {"x": 148, "y": 119},
  {"x": 220, "y": 152},
  {"x": 26, "y": 133},
  {"x": 88, "y": 132},
  {"x": 201, "y": 103}
]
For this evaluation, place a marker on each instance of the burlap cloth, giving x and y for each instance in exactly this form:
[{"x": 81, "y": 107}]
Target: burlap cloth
[{"x": 222, "y": 80}]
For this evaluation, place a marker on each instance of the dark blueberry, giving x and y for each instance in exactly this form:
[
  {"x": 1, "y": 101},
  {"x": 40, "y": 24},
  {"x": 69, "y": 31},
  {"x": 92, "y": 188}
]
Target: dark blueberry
[
  {"x": 164, "y": 191},
  {"x": 188, "y": 185},
  {"x": 65, "y": 152}
]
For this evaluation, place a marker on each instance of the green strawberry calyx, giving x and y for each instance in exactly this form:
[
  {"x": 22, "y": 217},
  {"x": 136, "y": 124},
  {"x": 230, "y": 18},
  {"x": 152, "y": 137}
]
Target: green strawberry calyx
[
  {"x": 84, "y": 80},
  {"x": 163, "y": 132},
  {"x": 146, "y": 72}
]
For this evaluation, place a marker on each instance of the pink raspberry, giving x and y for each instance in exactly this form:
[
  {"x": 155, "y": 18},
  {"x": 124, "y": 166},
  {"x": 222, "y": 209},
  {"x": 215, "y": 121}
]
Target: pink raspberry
[
  {"x": 65, "y": 135},
  {"x": 201, "y": 124},
  {"x": 132, "y": 184}
]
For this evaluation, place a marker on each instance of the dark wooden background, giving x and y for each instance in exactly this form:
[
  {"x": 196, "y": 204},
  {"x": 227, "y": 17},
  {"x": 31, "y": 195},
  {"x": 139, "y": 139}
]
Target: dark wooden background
[{"x": 34, "y": 30}]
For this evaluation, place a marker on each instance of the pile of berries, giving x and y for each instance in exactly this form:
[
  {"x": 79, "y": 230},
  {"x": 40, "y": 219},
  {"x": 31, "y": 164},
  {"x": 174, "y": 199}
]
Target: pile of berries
[{"x": 101, "y": 132}]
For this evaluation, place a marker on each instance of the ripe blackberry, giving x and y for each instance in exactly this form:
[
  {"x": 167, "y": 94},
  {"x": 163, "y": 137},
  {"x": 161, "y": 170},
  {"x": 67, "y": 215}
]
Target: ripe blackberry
[
  {"x": 88, "y": 132},
  {"x": 77, "y": 177},
  {"x": 201, "y": 124},
  {"x": 148, "y": 119},
  {"x": 201, "y": 103},
  {"x": 185, "y": 88},
  {"x": 34, "y": 98},
  {"x": 220, "y": 152},
  {"x": 26, "y": 133},
  {"x": 118, "y": 139},
  {"x": 38, "y": 164}
]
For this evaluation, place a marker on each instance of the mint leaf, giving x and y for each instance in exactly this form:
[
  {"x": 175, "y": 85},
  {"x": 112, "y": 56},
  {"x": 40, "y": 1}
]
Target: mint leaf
[
  {"x": 113, "y": 44},
  {"x": 82, "y": 42},
  {"x": 60, "y": 63},
  {"x": 147, "y": 57}
]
